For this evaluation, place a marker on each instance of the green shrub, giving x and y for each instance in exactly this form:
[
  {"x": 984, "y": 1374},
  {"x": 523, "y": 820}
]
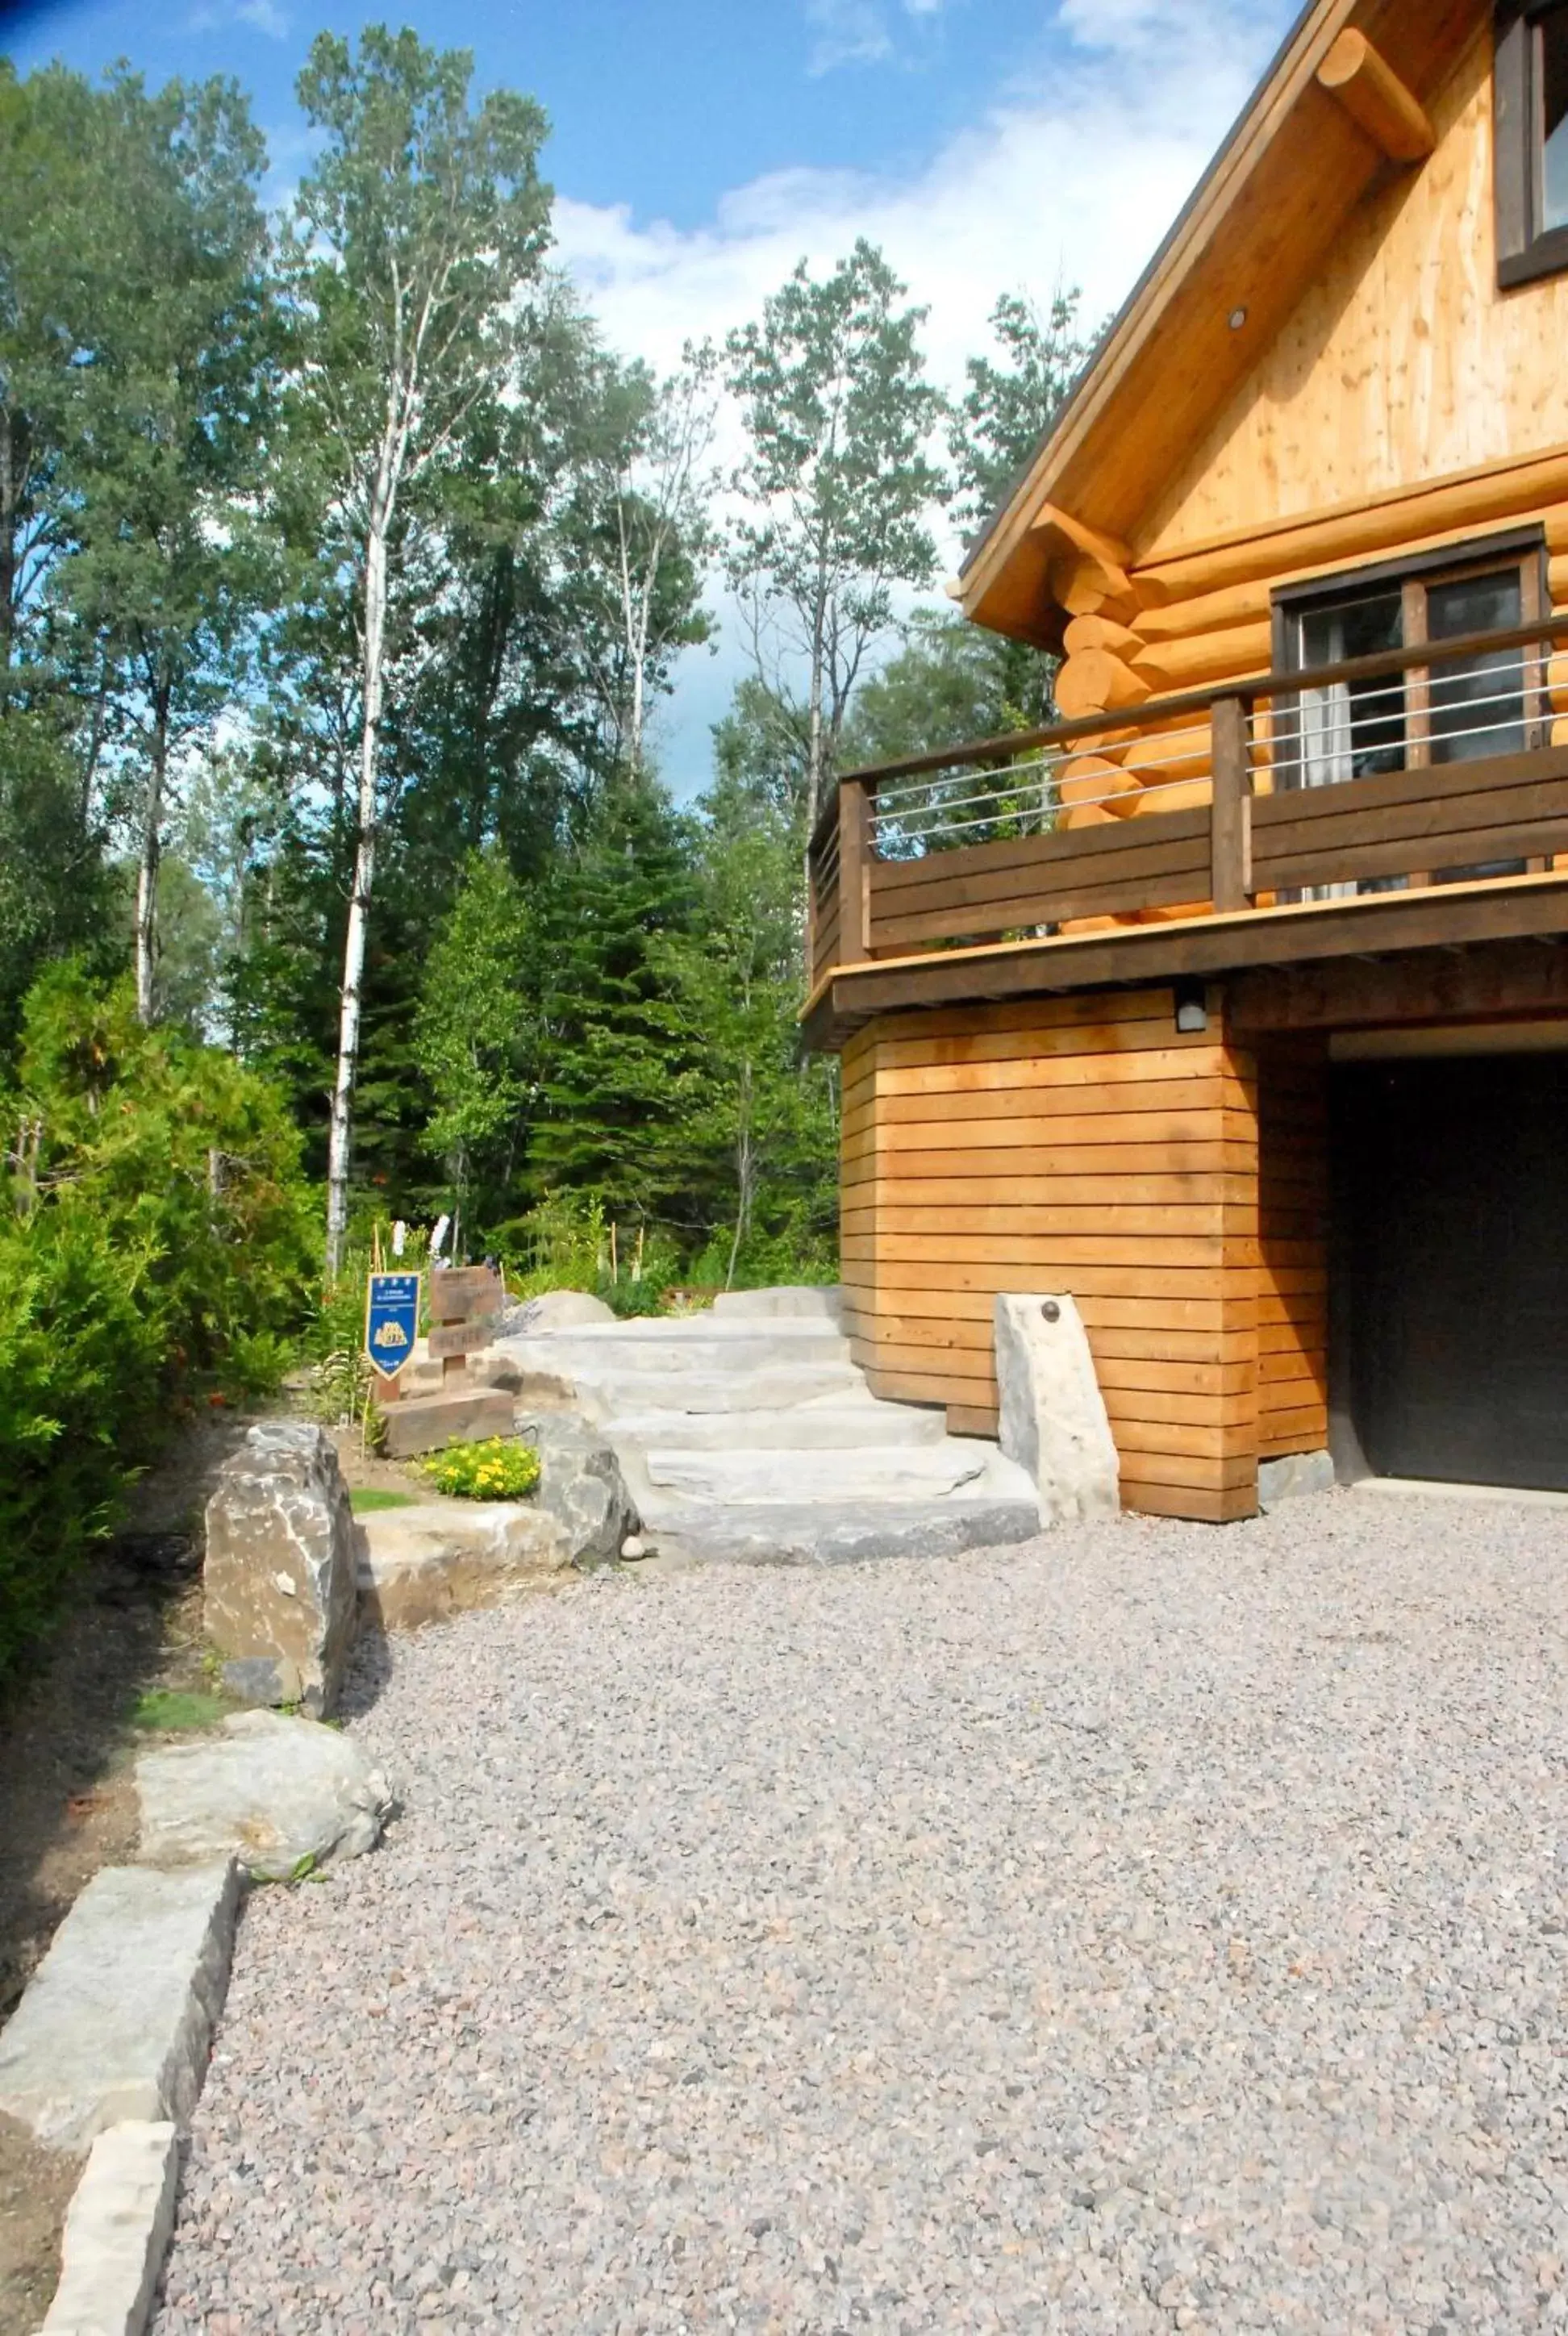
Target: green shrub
[
  {"x": 155, "y": 1255},
  {"x": 498, "y": 1470}
]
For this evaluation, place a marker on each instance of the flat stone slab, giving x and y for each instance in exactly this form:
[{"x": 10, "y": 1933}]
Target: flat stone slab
[
  {"x": 796, "y": 1299},
  {"x": 118, "y": 2017},
  {"x": 799, "y": 1534},
  {"x": 437, "y": 1558},
  {"x": 117, "y": 2230},
  {"x": 277, "y": 1794}
]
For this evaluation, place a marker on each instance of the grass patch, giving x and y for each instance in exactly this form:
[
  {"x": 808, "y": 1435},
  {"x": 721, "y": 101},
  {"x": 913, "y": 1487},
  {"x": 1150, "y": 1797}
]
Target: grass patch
[
  {"x": 365, "y": 1500},
  {"x": 178, "y": 1708}
]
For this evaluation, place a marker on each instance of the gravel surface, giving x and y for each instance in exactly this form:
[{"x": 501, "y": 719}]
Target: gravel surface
[{"x": 1153, "y": 1927}]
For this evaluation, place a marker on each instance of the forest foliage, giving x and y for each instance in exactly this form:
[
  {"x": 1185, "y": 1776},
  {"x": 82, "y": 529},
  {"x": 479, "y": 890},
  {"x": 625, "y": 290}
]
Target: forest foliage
[{"x": 344, "y": 571}]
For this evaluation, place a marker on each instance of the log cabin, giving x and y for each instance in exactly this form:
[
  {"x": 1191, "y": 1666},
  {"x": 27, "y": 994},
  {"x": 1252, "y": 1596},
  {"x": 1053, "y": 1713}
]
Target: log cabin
[{"x": 1236, "y": 1003}]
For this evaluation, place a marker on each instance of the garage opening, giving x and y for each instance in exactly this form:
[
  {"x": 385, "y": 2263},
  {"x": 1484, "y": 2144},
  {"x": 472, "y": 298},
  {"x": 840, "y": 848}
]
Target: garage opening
[{"x": 1450, "y": 1265}]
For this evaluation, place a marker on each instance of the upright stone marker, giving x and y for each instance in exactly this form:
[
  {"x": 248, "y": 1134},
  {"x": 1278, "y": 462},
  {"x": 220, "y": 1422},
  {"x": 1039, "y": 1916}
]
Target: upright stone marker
[
  {"x": 1052, "y": 1416},
  {"x": 280, "y": 1592}
]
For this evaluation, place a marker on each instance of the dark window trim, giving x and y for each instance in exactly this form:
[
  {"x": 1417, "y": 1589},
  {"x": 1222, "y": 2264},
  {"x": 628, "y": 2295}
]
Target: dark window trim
[
  {"x": 1525, "y": 252},
  {"x": 1518, "y": 546},
  {"x": 1349, "y": 583}
]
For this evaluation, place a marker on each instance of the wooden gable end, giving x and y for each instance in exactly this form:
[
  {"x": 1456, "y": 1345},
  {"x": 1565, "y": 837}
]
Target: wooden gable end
[{"x": 1402, "y": 364}]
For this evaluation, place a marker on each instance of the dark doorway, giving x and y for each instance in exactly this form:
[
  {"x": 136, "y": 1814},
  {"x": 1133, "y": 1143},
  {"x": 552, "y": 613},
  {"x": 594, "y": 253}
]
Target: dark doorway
[{"x": 1451, "y": 1237}]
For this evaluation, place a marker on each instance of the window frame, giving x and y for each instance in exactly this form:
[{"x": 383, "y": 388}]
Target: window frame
[
  {"x": 1527, "y": 252},
  {"x": 1415, "y": 575}
]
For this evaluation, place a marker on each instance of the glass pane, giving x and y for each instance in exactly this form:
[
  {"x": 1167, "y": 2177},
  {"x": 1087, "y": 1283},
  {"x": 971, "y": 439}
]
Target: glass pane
[
  {"x": 1353, "y": 729},
  {"x": 1552, "y": 69},
  {"x": 1477, "y": 705}
]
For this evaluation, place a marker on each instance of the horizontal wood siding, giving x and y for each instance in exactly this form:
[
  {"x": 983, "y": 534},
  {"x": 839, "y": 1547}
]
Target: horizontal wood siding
[
  {"x": 1071, "y": 1144},
  {"x": 1293, "y": 1245},
  {"x": 1448, "y": 815},
  {"x": 991, "y": 888}
]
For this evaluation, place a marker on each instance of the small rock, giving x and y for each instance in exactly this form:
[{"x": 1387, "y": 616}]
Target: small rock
[
  {"x": 633, "y": 1547},
  {"x": 276, "y": 1793}
]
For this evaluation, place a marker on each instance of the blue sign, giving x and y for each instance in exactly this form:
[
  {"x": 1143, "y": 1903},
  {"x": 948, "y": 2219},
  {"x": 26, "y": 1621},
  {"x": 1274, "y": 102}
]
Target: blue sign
[{"x": 391, "y": 1321}]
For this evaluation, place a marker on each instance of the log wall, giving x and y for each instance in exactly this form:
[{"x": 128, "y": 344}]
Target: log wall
[{"x": 1077, "y": 1145}]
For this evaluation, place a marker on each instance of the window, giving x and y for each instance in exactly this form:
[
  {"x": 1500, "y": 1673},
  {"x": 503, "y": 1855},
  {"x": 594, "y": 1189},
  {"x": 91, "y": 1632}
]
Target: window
[
  {"x": 1486, "y": 703},
  {"x": 1530, "y": 112}
]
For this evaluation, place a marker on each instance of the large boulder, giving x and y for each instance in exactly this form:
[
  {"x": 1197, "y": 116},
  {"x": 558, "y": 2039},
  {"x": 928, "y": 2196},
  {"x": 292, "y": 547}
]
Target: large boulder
[
  {"x": 581, "y": 1484},
  {"x": 437, "y": 1557},
  {"x": 279, "y": 1577},
  {"x": 279, "y": 1794},
  {"x": 1053, "y": 1415},
  {"x": 555, "y": 1310}
]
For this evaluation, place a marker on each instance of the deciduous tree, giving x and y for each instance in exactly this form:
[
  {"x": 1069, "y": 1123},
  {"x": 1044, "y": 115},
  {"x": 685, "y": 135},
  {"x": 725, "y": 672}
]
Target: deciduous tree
[
  {"x": 838, "y": 480},
  {"x": 413, "y": 236}
]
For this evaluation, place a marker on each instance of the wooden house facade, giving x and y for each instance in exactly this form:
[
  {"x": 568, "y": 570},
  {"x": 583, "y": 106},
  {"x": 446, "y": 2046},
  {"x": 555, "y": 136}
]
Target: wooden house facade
[{"x": 1236, "y": 1003}]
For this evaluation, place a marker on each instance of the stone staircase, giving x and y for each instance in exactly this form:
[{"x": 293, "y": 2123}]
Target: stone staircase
[{"x": 748, "y": 1432}]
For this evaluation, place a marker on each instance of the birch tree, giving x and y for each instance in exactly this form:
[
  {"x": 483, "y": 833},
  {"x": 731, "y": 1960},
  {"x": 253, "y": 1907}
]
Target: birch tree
[
  {"x": 838, "y": 482},
  {"x": 412, "y": 237},
  {"x": 647, "y": 530}
]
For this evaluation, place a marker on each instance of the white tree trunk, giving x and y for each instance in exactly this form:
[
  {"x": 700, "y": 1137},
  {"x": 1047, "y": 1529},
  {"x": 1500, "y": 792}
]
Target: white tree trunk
[{"x": 340, "y": 1141}]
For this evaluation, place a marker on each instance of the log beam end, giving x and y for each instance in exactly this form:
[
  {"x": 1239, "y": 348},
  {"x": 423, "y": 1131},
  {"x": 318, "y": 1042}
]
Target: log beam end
[{"x": 1361, "y": 79}]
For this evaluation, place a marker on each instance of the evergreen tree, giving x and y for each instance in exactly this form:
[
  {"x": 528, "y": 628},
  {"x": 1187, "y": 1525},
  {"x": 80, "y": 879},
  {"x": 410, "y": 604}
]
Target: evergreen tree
[
  {"x": 608, "y": 1115},
  {"x": 473, "y": 1038}
]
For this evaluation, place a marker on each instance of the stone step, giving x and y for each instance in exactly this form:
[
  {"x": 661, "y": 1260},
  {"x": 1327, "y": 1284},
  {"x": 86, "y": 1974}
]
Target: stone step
[
  {"x": 619, "y": 1390},
  {"x": 934, "y": 1472},
  {"x": 850, "y": 1422},
  {"x": 425, "y": 1423},
  {"x": 781, "y": 1304},
  {"x": 737, "y": 1347},
  {"x": 842, "y": 1534}
]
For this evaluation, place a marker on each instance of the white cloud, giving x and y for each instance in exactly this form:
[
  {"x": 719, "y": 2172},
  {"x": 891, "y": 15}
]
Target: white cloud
[
  {"x": 263, "y": 16},
  {"x": 1072, "y": 178},
  {"x": 849, "y": 33}
]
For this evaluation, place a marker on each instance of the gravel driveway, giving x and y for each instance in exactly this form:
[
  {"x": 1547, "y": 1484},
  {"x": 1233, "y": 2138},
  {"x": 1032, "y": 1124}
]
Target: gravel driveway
[{"x": 1155, "y": 1927}]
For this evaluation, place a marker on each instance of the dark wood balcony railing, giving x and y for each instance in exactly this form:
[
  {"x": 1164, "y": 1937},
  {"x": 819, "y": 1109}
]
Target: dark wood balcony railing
[{"x": 1436, "y": 763}]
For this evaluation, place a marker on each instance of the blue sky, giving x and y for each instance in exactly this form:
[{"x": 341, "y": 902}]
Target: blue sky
[
  {"x": 664, "y": 104},
  {"x": 700, "y": 147}
]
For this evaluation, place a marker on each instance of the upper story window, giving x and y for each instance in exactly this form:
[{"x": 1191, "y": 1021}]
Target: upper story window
[
  {"x": 1457, "y": 709},
  {"x": 1530, "y": 114}
]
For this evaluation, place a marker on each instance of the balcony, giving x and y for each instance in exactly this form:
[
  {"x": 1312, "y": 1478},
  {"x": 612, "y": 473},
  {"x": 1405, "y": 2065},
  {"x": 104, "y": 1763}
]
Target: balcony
[{"x": 1413, "y": 799}]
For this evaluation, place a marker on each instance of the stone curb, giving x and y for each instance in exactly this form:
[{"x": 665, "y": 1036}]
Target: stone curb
[
  {"x": 118, "y": 2018},
  {"x": 118, "y": 2227}
]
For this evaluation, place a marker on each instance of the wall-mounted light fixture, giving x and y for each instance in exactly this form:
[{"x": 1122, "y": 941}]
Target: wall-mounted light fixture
[{"x": 1192, "y": 1007}]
